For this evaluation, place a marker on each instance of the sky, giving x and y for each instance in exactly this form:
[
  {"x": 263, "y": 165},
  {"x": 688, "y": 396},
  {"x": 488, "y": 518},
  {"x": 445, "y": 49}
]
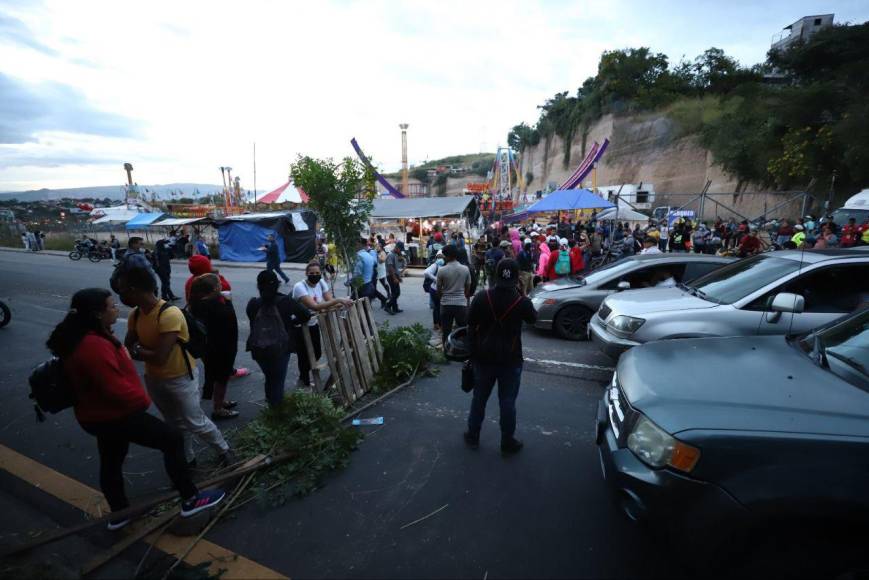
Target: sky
[{"x": 180, "y": 88}]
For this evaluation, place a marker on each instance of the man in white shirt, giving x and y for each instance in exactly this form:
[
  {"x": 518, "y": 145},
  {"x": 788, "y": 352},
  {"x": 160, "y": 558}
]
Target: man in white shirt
[{"x": 649, "y": 247}]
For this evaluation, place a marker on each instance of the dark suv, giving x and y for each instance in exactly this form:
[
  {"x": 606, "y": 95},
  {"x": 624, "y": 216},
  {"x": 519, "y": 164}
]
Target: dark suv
[{"x": 726, "y": 433}]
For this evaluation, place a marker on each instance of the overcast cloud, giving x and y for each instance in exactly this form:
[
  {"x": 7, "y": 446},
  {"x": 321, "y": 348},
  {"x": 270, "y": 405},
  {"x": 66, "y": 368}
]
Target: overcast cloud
[{"x": 181, "y": 88}]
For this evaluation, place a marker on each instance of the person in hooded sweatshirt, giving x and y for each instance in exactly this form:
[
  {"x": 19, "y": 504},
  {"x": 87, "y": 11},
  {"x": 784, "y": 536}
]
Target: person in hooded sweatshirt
[
  {"x": 515, "y": 241},
  {"x": 200, "y": 265}
]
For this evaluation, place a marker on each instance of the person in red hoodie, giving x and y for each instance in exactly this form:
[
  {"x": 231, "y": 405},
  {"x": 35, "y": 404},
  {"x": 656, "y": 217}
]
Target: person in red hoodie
[
  {"x": 111, "y": 403},
  {"x": 200, "y": 265},
  {"x": 577, "y": 260},
  {"x": 553, "y": 268}
]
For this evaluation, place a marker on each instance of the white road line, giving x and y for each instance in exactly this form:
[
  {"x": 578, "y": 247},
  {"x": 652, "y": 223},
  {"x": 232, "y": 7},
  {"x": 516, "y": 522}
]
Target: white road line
[{"x": 570, "y": 364}]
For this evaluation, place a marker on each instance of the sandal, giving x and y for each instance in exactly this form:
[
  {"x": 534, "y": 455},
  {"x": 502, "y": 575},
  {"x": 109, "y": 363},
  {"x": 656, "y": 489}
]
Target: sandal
[
  {"x": 241, "y": 372},
  {"x": 230, "y": 404},
  {"x": 221, "y": 414}
]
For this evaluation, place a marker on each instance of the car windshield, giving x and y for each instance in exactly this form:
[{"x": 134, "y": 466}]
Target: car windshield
[
  {"x": 609, "y": 271},
  {"x": 843, "y": 344},
  {"x": 737, "y": 280}
]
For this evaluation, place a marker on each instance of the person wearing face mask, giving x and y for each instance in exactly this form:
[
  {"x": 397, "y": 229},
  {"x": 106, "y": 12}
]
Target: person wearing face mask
[
  {"x": 429, "y": 286},
  {"x": 313, "y": 293}
]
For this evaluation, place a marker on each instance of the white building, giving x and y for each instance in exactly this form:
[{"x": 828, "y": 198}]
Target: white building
[
  {"x": 801, "y": 30},
  {"x": 636, "y": 196}
]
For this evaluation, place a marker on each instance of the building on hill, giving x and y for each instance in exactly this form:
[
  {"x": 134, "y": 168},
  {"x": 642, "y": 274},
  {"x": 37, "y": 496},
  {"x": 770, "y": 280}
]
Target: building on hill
[{"x": 801, "y": 30}]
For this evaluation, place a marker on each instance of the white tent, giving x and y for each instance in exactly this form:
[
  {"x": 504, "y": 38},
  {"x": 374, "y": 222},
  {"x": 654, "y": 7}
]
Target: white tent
[
  {"x": 119, "y": 214},
  {"x": 625, "y": 214}
]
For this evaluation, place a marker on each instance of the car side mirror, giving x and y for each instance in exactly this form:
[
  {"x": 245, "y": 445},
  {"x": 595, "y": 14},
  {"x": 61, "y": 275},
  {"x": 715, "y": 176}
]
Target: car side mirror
[
  {"x": 624, "y": 285},
  {"x": 785, "y": 302}
]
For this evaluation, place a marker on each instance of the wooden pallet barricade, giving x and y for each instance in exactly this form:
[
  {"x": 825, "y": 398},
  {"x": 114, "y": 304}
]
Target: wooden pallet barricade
[{"x": 352, "y": 352}]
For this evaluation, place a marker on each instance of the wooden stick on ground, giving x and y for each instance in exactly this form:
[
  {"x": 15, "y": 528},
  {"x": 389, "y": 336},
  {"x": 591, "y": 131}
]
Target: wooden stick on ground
[{"x": 104, "y": 557}]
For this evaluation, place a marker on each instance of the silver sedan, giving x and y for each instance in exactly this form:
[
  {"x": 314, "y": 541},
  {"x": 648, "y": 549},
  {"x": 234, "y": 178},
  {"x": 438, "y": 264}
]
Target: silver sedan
[{"x": 567, "y": 304}]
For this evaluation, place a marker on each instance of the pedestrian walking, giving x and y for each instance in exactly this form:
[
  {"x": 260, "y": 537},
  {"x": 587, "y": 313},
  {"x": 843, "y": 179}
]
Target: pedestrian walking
[
  {"x": 156, "y": 334},
  {"x": 273, "y": 258},
  {"x": 201, "y": 247},
  {"x": 114, "y": 246},
  {"x": 163, "y": 253},
  {"x": 495, "y": 322},
  {"x": 430, "y": 287},
  {"x": 112, "y": 405},
  {"x": 381, "y": 272},
  {"x": 272, "y": 317},
  {"x": 364, "y": 269},
  {"x": 314, "y": 294},
  {"x": 396, "y": 264},
  {"x": 525, "y": 260},
  {"x": 25, "y": 240},
  {"x": 454, "y": 289},
  {"x": 216, "y": 313}
]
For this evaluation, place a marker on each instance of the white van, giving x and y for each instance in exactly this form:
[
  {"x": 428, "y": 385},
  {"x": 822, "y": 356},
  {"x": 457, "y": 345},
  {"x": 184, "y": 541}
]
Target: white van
[{"x": 856, "y": 207}]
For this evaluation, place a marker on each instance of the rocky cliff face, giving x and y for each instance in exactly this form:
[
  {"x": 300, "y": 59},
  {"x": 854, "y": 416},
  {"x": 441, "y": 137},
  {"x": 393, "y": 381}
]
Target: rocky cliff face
[
  {"x": 642, "y": 148},
  {"x": 651, "y": 149}
]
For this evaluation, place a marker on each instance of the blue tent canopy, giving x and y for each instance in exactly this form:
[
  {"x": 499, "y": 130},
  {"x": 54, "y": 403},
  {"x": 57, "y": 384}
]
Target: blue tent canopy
[
  {"x": 563, "y": 200},
  {"x": 142, "y": 221}
]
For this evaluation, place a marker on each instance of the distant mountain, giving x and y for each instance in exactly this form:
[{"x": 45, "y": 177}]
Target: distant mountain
[{"x": 113, "y": 192}]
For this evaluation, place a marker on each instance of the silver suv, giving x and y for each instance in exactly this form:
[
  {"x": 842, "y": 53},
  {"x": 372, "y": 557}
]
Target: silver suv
[{"x": 787, "y": 292}]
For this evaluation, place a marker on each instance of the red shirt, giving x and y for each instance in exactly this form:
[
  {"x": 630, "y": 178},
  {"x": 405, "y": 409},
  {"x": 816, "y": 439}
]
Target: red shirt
[
  {"x": 105, "y": 382},
  {"x": 577, "y": 261},
  {"x": 550, "y": 265},
  {"x": 750, "y": 245}
]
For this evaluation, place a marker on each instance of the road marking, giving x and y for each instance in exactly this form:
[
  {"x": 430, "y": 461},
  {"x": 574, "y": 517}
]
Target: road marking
[
  {"x": 571, "y": 364},
  {"x": 91, "y": 501}
]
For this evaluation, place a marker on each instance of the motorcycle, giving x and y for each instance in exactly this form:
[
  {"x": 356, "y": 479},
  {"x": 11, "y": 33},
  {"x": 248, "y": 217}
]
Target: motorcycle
[
  {"x": 81, "y": 249},
  {"x": 5, "y": 314},
  {"x": 98, "y": 253}
]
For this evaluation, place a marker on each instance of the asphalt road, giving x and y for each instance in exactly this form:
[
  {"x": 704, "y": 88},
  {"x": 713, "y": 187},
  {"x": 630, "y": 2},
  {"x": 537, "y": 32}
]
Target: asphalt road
[{"x": 543, "y": 513}]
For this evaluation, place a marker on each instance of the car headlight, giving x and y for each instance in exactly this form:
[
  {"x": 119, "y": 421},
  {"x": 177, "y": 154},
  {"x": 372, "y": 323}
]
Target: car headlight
[
  {"x": 539, "y": 301},
  {"x": 657, "y": 448},
  {"x": 626, "y": 324}
]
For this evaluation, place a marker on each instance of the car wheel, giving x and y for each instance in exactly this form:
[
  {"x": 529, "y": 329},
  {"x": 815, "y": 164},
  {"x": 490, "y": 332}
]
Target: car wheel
[{"x": 571, "y": 322}]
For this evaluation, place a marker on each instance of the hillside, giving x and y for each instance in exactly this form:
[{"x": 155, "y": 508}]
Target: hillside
[
  {"x": 110, "y": 191},
  {"x": 477, "y": 163}
]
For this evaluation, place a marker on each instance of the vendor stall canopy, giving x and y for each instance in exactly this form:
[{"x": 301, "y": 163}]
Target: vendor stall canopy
[
  {"x": 143, "y": 220},
  {"x": 420, "y": 207},
  {"x": 562, "y": 200}
]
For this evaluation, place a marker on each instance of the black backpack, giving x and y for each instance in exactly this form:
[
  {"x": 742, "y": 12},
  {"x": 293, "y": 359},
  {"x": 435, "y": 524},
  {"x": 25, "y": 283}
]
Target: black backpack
[
  {"x": 198, "y": 341},
  {"x": 268, "y": 335},
  {"x": 50, "y": 389}
]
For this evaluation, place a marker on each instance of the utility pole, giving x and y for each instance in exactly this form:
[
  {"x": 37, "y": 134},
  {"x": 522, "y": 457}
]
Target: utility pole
[
  {"x": 405, "y": 184},
  {"x": 254, "y": 172}
]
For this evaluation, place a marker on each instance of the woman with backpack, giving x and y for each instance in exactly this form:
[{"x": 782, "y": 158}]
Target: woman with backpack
[
  {"x": 216, "y": 313},
  {"x": 559, "y": 264},
  {"x": 111, "y": 403},
  {"x": 271, "y": 341}
]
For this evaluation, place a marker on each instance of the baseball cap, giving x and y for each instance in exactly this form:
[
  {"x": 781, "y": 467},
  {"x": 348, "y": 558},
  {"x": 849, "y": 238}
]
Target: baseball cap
[
  {"x": 507, "y": 274},
  {"x": 505, "y": 244}
]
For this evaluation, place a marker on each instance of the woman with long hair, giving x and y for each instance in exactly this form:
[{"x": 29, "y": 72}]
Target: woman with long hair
[
  {"x": 273, "y": 307},
  {"x": 216, "y": 313},
  {"x": 111, "y": 403}
]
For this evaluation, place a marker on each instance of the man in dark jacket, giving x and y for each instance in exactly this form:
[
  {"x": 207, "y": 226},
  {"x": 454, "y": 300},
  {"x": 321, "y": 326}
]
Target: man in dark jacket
[
  {"x": 163, "y": 253},
  {"x": 495, "y": 337},
  {"x": 273, "y": 258}
]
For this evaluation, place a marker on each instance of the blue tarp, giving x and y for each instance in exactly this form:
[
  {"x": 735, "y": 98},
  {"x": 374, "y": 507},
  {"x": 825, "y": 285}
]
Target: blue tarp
[
  {"x": 562, "y": 200},
  {"x": 239, "y": 241},
  {"x": 142, "y": 221}
]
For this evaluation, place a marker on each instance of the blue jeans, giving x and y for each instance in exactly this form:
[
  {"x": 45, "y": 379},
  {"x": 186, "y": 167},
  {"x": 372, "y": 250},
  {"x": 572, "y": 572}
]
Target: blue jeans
[
  {"x": 508, "y": 377},
  {"x": 275, "y": 371},
  {"x": 276, "y": 268}
]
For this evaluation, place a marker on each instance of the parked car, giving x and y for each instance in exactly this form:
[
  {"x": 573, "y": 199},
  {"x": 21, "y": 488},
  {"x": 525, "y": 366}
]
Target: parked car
[
  {"x": 567, "y": 304},
  {"x": 772, "y": 293},
  {"x": 711, "y": 435}
]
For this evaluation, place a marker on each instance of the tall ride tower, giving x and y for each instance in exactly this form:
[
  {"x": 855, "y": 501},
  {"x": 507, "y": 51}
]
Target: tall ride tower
[{"x": 405, "y": 185}]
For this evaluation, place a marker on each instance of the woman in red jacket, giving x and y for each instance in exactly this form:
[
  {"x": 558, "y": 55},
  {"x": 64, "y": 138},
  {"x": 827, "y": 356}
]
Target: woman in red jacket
[{"x": 112, "y": 405}]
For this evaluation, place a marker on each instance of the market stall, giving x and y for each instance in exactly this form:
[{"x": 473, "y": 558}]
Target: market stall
[
  {"x": 241, "y": 236},
  {"x": 413, "y": 219},
  {"x": 562, "y": 200}
]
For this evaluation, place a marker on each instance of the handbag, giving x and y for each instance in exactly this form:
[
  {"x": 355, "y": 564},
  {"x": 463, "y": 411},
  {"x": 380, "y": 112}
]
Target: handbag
[{"x": 467, "y": 376}]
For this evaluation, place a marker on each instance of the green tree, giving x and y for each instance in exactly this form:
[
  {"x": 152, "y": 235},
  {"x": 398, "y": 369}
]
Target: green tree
[{"x": 342, "y": 195}]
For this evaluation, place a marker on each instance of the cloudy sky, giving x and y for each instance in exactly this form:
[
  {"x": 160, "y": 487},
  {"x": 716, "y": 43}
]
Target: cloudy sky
[{"x": 181, "y": 87}]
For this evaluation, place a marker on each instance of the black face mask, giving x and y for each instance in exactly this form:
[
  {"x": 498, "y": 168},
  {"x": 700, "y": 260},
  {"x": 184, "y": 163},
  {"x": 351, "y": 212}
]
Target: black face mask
[{"x": 314, "y": 278}]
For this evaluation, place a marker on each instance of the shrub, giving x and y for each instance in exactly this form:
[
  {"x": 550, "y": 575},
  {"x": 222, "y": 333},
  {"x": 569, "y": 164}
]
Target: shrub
[{"x": 405, "y": 350}]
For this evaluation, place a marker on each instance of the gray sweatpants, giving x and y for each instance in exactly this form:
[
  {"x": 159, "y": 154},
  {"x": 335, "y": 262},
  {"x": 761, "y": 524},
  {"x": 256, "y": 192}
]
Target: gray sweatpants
[{"x": 178, "y": 401}]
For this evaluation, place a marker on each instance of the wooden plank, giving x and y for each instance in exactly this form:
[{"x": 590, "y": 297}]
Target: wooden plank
[
  {"x": 370, "y": 347},
  {"x": 309, "y": 352},
  {"x": 372, "y": 323},
  {"x": 346, "y": 380},
  {"x": 360, "y": 383},
  {"x": 362, "y": 346},
  {"x": 331, "y": 354}
]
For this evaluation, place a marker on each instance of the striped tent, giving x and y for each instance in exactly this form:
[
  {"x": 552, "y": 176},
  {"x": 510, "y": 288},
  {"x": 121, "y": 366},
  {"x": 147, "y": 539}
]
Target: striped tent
[{"x": 287, "y": 193}]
